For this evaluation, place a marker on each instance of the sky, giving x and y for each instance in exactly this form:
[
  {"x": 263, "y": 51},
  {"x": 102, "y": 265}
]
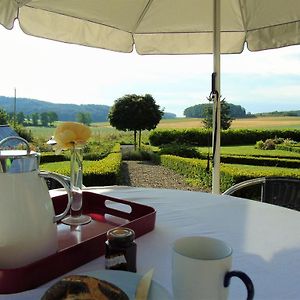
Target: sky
[{"x": 64, "y": 73}]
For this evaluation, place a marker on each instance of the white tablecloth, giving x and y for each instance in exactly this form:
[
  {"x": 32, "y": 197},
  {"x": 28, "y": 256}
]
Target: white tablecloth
[{"x": 265, "y": 239}]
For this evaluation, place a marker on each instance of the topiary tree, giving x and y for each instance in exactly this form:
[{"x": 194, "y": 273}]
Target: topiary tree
[
  {"x": 226, "y": 119},
  {"x": 135, "y": 113}
]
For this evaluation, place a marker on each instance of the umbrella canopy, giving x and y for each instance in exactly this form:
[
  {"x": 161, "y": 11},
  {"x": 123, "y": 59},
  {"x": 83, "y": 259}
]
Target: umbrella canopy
[
  {"x": 158, "y": 26},
  {"x": 163, "y": 27}
]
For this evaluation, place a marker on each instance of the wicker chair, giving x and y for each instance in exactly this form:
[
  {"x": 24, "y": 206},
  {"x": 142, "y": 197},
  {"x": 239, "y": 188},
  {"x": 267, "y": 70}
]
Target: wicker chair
[{"x": 282, "y": 191}]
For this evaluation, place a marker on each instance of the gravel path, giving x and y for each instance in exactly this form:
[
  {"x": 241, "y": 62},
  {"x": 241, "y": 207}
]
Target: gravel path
[{"x": 147, "y": 174}]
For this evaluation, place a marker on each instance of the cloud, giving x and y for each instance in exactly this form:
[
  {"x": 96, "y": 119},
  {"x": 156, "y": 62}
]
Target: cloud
[{"x": 269, "y": 62}]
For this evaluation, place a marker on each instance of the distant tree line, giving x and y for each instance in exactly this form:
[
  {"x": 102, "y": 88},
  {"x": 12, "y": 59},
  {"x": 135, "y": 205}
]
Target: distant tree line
[
  {"x": 200, "y": 111},
  {"x": 168, "y": 115},
  {"x": 65, "y": 112},
  {"x": 45, "y": 119},
  {"x": 291, "y": 113}
]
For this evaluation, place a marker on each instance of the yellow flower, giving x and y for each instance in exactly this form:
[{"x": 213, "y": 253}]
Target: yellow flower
[{"x": 71, "y": 134}]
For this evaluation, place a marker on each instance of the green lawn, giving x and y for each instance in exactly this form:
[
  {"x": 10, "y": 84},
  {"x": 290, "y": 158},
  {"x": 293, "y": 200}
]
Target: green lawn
[
  {"x": 251, "y": 151},
  {"x": 258, "y": 171}
]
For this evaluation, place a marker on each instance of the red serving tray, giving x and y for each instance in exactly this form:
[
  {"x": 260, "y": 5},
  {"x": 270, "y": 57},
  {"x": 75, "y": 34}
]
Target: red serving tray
[{"x": 77, "y": 246}]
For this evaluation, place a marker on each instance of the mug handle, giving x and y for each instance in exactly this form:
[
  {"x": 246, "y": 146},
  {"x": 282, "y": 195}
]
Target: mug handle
[
  {"x": 66, "y": 184},
  {"x": 246, "y": 280}
]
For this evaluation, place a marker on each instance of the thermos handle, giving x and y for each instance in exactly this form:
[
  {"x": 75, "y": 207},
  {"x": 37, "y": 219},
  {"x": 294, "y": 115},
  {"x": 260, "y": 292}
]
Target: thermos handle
[
  {"x": 246, "y": 280},
  {"x": 66, "y": 185},
  {"x": 16, "y": 138}
]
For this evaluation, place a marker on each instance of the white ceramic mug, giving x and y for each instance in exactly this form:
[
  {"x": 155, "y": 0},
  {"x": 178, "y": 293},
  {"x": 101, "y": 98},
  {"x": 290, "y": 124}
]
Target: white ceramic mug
[{"x": 201, "y": 269}]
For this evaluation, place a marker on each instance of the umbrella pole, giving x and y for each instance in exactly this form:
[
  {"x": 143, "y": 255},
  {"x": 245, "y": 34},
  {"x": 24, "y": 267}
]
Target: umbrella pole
[{"x": 216, "y": 106}]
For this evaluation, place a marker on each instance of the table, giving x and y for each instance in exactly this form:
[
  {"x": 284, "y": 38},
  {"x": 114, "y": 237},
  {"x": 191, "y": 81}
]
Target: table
[{"x": 265, "y": 239}]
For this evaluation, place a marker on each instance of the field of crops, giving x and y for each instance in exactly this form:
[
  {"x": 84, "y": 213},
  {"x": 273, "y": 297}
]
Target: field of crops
[
  {"x": 260, "y": 122},
  {"x": 103, "y": 131},
  {"x": 268, "y": 122},
  {"x": 104, "y": 128}
]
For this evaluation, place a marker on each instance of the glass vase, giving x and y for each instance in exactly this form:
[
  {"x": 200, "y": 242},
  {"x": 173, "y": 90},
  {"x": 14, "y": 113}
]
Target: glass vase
[{"x": 76, "y": 217}]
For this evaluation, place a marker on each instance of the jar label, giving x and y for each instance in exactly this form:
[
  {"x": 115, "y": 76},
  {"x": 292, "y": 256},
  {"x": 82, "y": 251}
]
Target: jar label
[{"x": 113, "y": 261}]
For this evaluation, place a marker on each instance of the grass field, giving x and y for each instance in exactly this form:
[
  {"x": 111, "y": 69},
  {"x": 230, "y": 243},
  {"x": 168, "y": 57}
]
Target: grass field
[
  {"x": 104, "y": 130},
  {"x": 260, "y": 122},
  {"x": 268, "y": 122},
  {"x": 251, "y": 151}
]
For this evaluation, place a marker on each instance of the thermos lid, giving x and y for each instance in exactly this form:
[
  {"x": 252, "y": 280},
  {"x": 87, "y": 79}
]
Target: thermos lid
[
  {"x": 15, "y": 160},
  {"x": 8, "y": 152},
  {"x": 16, "y": 153}
]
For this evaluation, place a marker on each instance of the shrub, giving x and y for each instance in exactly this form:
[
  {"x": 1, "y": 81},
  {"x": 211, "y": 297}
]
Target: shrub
[
  {"x": 261, "y": 161},
  {"x": 195, "y": 169},
  {"x": 259, "y": 145},
  {"x": 269, "y": 144},
  {"x": 202, "y": 137},
  {"x": 295, "y": 149},
  {"x": 103, "y": 172},
  {"x": 277, "y": 140},
  {"x": 136, "y": 155},
  {"x": 100, "y": 172},
  {"x": 191, "y": 168},
  {"x": 23, "y": 132},
  {"x": 289, "y": 142},
  {"x": 237, "y": 173},
  {"x": 49, "y": 157},
  {"x": 180, "y": 150}
]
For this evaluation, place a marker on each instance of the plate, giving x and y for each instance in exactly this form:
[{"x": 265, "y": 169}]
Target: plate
[{"x": 128, "y": 282}]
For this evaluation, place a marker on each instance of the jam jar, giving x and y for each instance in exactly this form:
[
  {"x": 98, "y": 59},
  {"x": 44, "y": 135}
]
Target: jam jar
[{"x": 120, "y": 250}]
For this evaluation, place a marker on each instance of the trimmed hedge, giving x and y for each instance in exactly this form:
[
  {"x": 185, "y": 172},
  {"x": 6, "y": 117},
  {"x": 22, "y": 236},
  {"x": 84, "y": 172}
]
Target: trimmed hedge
[
  {"x": 91, "y": 151},
  {"x": 295, "y": 149},
  {"x": 191, "y": 168},
  {"x": 103, "y": 172},
  {"x": 193, "y": 137},
  {"x": 95, "y": 173},
  {"x": 237, "y": 173},
  {"x": 195, "y": 169},
  {"x": 180, "y": 150},
  {"x": 261, "y": 161},
  {"x": 49, "y": 157},
  {"x": 230, "y": 137}
]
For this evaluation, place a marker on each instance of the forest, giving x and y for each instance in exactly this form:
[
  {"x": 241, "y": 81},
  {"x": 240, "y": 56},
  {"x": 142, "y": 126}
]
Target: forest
[
  {"x": 198, "y": 111},
  {"x": 65, "y": 112}
]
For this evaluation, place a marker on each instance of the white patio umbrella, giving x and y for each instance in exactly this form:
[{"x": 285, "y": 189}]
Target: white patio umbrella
[{"x": 163, "y": 27}]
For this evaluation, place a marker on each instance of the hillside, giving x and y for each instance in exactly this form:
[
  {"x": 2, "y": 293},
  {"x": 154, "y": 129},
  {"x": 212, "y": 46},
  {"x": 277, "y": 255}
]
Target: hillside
[{"x": 65, "y": 112}]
